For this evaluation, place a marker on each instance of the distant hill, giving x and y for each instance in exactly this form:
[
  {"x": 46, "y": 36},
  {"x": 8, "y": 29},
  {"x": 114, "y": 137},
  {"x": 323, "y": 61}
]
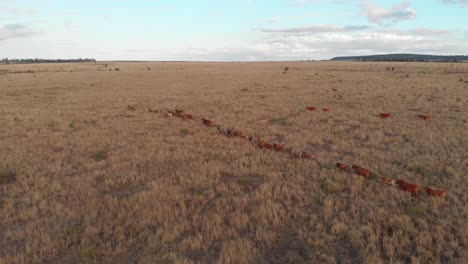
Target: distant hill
[{"x": 405, "y": 57}]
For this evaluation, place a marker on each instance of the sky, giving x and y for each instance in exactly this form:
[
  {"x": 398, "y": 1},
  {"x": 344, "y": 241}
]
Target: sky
[{"x": 230, "y": 30}]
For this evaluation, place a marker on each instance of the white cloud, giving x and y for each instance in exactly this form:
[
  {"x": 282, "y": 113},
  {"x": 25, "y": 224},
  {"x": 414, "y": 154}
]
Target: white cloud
[
  {"x": 314, "y": 29},
  {"x": 10, "y": 31},
  {"x": 463, "y": 3},
  {"x": 378, "y": 14}
]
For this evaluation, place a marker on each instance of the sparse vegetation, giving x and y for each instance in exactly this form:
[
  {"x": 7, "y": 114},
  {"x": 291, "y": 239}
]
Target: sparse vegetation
[
  {"x": 279, "y": 121},
  {"x": 104, "y": 188},
  {"x": 418, "y": 209},
  {"x": 420, "y": 171}
]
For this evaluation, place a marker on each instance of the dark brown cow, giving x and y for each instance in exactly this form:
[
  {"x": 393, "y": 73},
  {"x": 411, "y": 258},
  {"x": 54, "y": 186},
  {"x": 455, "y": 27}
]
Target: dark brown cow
[
  {"x": 207, "y": 122},
  {"x": 311, "y": 108}
]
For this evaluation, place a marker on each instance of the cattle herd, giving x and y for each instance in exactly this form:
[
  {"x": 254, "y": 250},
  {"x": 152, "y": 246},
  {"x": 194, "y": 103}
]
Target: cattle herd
[{"x": 403, "y": 185}]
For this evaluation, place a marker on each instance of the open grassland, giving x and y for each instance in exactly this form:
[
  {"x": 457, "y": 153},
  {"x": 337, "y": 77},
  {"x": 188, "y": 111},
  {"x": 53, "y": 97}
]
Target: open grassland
[{"x": 89, "y": 175}]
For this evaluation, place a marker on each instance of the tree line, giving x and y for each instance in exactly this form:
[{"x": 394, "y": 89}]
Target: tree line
[{"x": 36, "y": 60}]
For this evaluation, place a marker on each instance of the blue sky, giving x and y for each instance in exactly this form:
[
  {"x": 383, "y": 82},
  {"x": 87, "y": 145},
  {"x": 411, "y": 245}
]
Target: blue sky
[{"x": 229, "y": 30}]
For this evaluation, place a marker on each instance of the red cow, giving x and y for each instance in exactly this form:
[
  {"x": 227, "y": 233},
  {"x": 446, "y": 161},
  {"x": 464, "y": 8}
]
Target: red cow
[
  {"x": 434, "y": 192},
  {"x": 278, "y": 147},
  {"x": 187, "y": 116},
  {"x": 307, "y": 155},
  {"x": 361, "y": 171},
  {"x": 425, "y": 117},
  {"x": 243, "y": 135},
  {"x": 268, "y": 146},
  {"x": 343, "y": 167},
  {"x": 385, "y": 115},
  {"x": 311, "y": 108},
  {"x": 409, "y": 187}
]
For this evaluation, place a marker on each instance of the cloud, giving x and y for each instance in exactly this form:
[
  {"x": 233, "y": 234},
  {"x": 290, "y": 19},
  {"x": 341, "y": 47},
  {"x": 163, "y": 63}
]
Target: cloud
[
  {"x": 314, "y": 29},
  {"x": 378, "y": 14},
  {"x": 463, "y": 3},
  {"x": 10, "y": 31},
  {"x": 325, "y": 44},
  {"x": 302, "y": 3},
  {"x": 18, "y": 11}
]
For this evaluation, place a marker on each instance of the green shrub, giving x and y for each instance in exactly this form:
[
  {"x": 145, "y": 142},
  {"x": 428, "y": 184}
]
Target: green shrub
[
  {"x": 100, "y": 155},
  {"x": 6, "y": 175},
  {"x": 184, "y": 132},
  {"x": 89, "y": 254}
]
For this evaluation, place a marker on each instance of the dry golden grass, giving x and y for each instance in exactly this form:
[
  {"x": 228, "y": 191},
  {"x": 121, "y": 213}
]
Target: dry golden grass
[{"x": 92, "y": 176}]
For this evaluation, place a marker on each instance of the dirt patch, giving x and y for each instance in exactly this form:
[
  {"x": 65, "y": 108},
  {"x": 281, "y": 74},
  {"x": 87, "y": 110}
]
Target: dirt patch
[
  {"x": 289, "y": 248},
  {"x": 249, "y": 182},
  {"x": 10, "y": 247},
  {"x": 132, "y": 256}
]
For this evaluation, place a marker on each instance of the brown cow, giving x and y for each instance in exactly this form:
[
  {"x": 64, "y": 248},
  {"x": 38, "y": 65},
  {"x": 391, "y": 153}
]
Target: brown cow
[
  {"x": 343, "y": 167},
  {"x": 434, "y": 192},
  {"x": 385, "y": 115},
  {"x": 409, "y": 187},
  {"x": 326, "y": 109},
  {"x": 311, "y": 108},
  {"x": 361, "y": 171}
]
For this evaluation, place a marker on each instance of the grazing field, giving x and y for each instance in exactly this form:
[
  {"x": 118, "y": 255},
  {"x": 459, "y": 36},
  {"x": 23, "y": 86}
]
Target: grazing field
[{"x": 94, "y": 170}]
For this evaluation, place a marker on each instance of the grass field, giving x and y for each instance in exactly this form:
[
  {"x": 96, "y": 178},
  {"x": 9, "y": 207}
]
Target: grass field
[{"x": 89, "y": 175}]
